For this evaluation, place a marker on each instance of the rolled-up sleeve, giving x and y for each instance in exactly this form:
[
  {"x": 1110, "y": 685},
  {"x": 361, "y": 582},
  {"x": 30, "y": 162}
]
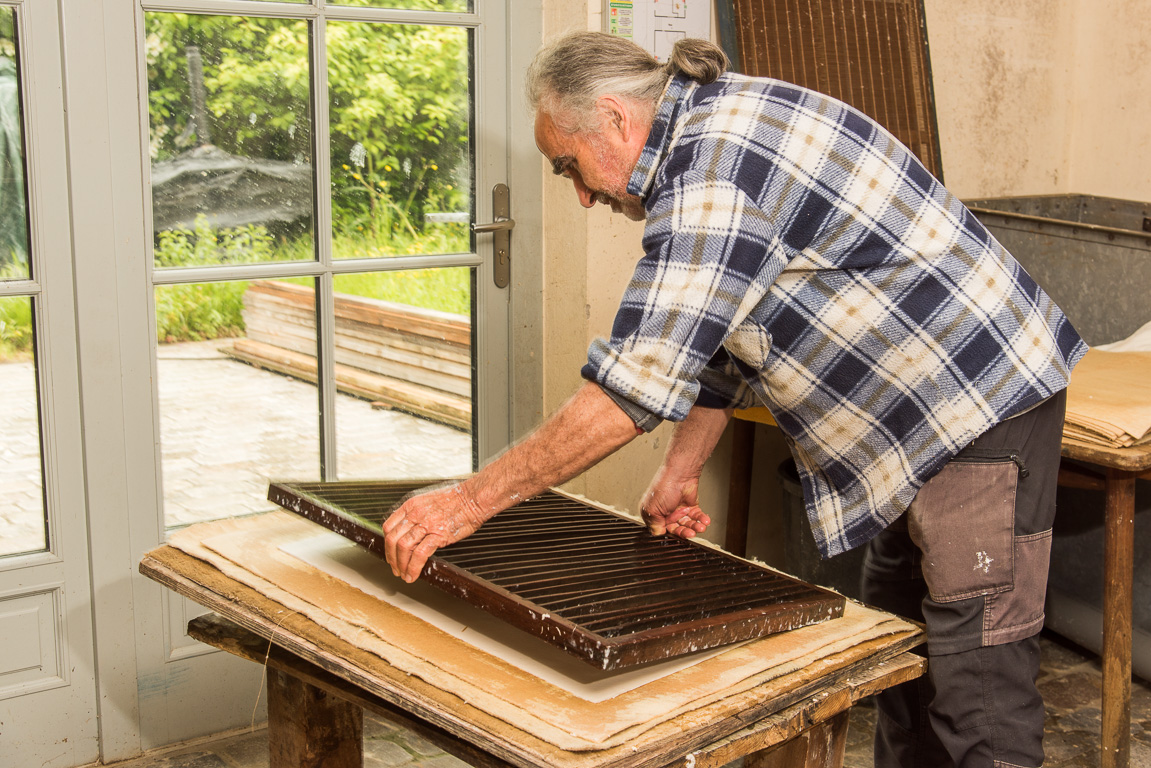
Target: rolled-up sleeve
[{"x": 710, "y": 256}]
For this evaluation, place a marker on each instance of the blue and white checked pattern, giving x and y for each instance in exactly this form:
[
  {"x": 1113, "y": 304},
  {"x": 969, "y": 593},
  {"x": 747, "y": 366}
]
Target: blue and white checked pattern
[{"x": 797, "y": 254}]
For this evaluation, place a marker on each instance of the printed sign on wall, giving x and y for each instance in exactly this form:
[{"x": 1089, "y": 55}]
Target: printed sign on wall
[{"x": 657, "y": 24}]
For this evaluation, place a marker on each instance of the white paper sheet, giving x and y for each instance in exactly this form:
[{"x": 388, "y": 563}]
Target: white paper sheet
[{"x": 350, "y": 563}]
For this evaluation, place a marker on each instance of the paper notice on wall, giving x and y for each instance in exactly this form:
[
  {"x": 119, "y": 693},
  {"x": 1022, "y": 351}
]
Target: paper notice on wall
[{"x": 657, "y": 24}]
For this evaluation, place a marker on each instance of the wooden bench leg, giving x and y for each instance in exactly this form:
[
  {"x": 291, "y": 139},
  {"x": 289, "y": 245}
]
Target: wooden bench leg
[
  {"x": 1118, "y": 569},
  {"x": 821, "y": 746},
  {"x": 308, "y": 728}
]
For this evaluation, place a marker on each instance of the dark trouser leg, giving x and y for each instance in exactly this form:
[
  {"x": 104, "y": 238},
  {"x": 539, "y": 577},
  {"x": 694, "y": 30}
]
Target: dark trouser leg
[
  {"x": 1000, "y": 721},
  {"x": 892, "y": 581},
  {"x": 981, "y": 599}
]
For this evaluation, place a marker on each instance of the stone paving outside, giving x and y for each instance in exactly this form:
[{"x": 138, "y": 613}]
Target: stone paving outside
[{"x": 227, "y": 428}]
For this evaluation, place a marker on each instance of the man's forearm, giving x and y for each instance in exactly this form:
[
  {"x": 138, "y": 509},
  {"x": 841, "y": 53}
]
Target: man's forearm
[
  {"x": 585, "y": 429},
  {"x": 694, "y": 439}
]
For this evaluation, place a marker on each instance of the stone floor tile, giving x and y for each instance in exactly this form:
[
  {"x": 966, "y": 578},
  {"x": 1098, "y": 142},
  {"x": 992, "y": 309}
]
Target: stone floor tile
[
  {"x": 379, "y": 753},
  {"x": 249, "y": 750},
  {"x": 440, "y": 761},
  {"x": 417, "y": 744},
  {"x": 1071, "y": 691},
  {"x": 1065, "y": 748}
]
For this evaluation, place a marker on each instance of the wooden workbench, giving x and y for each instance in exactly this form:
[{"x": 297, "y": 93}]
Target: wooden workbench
[{"x": 319, "y": 684}]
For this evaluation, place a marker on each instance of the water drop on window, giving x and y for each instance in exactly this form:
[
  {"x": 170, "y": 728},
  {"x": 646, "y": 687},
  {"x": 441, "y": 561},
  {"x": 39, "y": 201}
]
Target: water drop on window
[{"x": 358, "y": 155}]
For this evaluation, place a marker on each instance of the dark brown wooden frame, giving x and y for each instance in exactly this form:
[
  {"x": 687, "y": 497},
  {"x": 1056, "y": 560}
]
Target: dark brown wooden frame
[{"x": 721, "y": 598}]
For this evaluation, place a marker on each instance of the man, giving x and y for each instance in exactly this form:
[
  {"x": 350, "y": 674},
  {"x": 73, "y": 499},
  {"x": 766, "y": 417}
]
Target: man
[{"x": 795, "y": 254}]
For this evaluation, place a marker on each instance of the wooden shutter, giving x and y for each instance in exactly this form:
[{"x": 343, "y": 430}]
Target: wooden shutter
[{"x": 871, "y": 54}]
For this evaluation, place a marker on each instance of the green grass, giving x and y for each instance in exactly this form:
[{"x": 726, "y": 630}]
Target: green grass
[
  {"x": 446, "y": 289},
  {"x": 15, "y": 328}
]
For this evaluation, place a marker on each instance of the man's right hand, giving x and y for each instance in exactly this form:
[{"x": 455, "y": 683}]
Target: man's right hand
[{"x": 425, "y": 523}]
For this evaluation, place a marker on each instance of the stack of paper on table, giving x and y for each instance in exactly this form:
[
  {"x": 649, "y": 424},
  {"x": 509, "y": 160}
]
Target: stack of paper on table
[
  {"x": 564, "y": 702},
  {"x": 1109, "y": 399}
]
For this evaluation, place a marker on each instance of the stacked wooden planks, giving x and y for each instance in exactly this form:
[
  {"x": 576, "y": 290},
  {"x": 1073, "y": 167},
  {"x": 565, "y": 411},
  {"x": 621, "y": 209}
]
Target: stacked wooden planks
[{"x": 398, "y": 356}]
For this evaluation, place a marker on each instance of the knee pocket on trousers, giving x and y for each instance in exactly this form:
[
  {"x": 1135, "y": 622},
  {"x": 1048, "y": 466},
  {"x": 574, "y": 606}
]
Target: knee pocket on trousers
[{"x": 963, "y": 520}]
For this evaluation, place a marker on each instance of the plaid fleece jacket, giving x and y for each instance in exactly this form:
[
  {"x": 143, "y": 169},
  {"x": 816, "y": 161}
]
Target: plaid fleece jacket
[{"x": 797, "y": 255}]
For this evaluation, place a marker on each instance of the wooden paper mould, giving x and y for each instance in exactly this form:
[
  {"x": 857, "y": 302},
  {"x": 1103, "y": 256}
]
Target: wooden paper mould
[{"x": 582, "y": 578}]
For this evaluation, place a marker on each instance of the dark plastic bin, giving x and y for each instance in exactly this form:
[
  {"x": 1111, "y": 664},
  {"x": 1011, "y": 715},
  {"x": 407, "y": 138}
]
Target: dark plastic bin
[{"x": 801, "y": 557}]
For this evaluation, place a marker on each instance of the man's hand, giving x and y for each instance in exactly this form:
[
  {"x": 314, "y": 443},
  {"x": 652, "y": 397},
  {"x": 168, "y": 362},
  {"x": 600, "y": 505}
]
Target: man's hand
[
  {"x": 425, "y": 523},
  {"x": 672, "y": 506}
]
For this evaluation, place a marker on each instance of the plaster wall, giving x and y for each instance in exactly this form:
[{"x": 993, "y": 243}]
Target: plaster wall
[
  {"x": 1033, "y": 97},
  {"x": 1042, "y": 96},
  {"x": 1111, "y": 152}
]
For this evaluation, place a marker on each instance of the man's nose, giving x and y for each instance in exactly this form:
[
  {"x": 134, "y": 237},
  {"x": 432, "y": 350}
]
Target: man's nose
[{"x": 586, "y": 196}]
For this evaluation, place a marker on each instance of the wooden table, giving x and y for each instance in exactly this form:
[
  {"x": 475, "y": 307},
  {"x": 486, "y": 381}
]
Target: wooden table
[
  {"x": 1111, "y": 470},
  {"x": 319, "y": 685}
]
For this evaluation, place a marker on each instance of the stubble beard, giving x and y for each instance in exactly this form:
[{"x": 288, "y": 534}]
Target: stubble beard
[{"x": 617, "y": 197}]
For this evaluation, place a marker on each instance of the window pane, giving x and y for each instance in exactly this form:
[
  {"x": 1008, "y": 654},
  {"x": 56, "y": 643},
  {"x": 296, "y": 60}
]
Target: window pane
[
  {"x": 405, "y": 365},
  {"x": 13, "y": 208},
  {"x": 457, "y": 6},
  {"x": 230, "y": 139},
  {"x": 399, "y": 99},
  {"x": 22, "y": 521},
  {"x": 235, "y": 410}
]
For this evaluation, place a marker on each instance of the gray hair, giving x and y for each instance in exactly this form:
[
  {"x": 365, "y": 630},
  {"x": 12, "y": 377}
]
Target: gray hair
[{"x": 568, "y": 76}]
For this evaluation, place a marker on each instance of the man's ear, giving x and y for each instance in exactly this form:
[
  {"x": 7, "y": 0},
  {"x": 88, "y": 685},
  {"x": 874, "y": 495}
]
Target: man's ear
[{"x": 615, "y": 115}]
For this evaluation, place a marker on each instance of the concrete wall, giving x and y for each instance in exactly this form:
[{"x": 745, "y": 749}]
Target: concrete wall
[{"x": 1033, "y": 97}]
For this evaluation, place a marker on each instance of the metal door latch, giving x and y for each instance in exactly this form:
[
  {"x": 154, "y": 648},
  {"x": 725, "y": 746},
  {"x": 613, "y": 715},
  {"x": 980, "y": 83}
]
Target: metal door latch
[{"x": 501, "y": 229}]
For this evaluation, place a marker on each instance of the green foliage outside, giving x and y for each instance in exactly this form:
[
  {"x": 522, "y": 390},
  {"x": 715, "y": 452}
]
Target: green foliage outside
[
  {"x": 399, "y": 124},
  {"x": 398, "y": 103},
  {"x": 198, "y": 311},
  {"x": 15, "y": 326}
]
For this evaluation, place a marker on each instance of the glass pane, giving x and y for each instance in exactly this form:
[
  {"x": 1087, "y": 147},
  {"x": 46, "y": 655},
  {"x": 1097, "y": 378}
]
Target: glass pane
[
  {"x": 238, "y": 400},
  {"x": 230, "y": 139},
  {"x": 457, "y": 6},
  {"x": 13, "y": 209},
  {"x": 405, "y": 366},
  {"x": 399, "y": 98},
  {"x": 22, "y": 520}
]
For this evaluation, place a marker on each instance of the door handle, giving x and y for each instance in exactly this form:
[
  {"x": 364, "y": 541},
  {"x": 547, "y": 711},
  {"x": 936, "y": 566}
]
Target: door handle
[
  {"x": 501, "y": 229},
  {"x": 499, "y": 225}
]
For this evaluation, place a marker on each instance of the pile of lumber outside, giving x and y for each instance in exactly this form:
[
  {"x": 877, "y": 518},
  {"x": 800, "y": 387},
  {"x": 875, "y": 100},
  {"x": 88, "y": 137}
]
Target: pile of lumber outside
[{"x": 397, "y": 356}]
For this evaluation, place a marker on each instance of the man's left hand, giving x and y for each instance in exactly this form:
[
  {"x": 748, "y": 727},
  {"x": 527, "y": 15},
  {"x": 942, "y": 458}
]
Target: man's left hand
[{"x": 673, "y": 507}]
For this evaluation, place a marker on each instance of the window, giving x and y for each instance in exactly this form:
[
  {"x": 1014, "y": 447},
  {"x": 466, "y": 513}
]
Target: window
[{"x": 307, "y": 336}]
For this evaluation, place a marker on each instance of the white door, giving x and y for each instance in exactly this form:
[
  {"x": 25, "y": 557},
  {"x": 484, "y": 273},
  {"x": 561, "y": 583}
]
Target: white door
[
  {"x": 47, "y": 680},
  {"x": 276, "y": 279}
]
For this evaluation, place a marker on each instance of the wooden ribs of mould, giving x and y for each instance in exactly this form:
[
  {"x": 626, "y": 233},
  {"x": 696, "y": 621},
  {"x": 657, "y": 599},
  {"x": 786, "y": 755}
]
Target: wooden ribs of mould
[{"x": 591, "y": 582}]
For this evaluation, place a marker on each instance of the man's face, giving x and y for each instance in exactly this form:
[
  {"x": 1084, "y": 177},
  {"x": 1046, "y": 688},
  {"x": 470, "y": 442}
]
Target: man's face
[{"x": 598, "y": 164}]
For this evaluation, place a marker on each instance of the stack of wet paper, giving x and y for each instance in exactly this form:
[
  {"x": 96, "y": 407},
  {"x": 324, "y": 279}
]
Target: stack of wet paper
[{"x": 1109, "y": 400}]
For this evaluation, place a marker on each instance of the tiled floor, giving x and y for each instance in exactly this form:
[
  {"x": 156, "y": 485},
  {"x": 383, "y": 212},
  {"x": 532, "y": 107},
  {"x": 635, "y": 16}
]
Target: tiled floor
[{"x": 1069, "y": 680}]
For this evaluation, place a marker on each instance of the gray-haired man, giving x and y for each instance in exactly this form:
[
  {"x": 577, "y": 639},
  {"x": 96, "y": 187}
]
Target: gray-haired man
[{"x": 796, "y": 255}]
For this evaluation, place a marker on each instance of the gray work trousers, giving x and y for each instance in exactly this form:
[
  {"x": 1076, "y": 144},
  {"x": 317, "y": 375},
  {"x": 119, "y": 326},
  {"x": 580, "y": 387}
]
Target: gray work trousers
[{"x": 970, "y": 558}]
